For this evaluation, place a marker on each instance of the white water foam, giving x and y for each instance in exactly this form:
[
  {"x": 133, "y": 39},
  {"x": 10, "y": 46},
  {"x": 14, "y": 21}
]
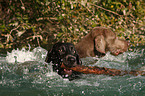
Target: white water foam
[
  {"x": 24, "y": 55},
  {"x": 20, "y": 56},
  {"x": 119, "y": 62},
  {"x": 122, "y": 57},
  {"x": 51, "y": 73}
]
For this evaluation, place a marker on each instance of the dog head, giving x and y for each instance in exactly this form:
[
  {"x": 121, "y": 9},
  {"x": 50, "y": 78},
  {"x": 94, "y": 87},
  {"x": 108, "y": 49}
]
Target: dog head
[
  {"x": 63, "y": 53},
  {"x": 119, "y": 46}
]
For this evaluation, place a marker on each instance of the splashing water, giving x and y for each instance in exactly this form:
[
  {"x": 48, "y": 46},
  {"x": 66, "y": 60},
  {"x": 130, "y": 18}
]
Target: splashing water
[
  {"x": 26, "y": 55},
  {"x": 20, "y": 56},
  {"x": 24, "y": 72}
]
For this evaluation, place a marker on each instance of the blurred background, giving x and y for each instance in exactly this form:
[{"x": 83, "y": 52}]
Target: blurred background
[{"x": 25, "y": 23}]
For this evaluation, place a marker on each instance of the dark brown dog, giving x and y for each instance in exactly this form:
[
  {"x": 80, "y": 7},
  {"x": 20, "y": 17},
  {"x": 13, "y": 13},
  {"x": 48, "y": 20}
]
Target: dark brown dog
[
  {"x": 99, "y": 41},
  {"x": 64, "y": 53}
]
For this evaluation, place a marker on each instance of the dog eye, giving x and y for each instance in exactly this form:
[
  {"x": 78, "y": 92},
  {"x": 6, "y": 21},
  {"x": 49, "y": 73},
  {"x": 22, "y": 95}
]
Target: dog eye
[
  {"x": 62, "y": 50},
  {"x": 72, "y": 49}
]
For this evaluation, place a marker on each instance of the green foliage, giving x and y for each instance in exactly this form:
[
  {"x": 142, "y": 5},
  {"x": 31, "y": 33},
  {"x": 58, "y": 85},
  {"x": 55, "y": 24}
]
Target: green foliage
[{"x": 44, "y": 22}]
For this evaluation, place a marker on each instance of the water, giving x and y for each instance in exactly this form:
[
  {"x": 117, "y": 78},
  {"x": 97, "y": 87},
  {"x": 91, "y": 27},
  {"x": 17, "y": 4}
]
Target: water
[{"x": 24, "y": 73}]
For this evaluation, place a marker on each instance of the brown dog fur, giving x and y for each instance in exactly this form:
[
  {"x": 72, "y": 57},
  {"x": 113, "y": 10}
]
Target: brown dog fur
[{"x": 99, "y": 41}]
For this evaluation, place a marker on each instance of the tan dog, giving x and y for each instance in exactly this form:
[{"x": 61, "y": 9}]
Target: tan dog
[{"x": 99, "y": 41}]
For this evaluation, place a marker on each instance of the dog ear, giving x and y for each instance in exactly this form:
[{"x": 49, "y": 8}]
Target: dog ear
[
  {"x": 100, "y": 43},
  {"x": 53, "y": 55}
]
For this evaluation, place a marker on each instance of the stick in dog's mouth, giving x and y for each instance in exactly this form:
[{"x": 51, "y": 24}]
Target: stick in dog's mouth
[
  {"x": 102, "y": 70},
  {"x": 67, "y": 71}
]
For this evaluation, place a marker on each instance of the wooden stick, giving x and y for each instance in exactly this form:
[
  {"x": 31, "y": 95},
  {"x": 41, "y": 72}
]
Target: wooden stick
[{"x": 102, "y": 70}]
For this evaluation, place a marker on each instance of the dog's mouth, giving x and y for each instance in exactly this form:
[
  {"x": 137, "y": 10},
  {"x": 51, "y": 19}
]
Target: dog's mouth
[
  {"x": 69, "y": 61},
  {"x": 66, "y": 71},
  {"x": 117, "y": 52}
]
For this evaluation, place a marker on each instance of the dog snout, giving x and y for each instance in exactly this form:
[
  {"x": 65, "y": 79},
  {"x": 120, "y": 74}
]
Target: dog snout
[{"x": 71, "y": 60}]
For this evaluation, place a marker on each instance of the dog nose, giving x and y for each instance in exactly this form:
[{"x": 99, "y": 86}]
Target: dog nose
[{"x": 71, "y": 59}]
